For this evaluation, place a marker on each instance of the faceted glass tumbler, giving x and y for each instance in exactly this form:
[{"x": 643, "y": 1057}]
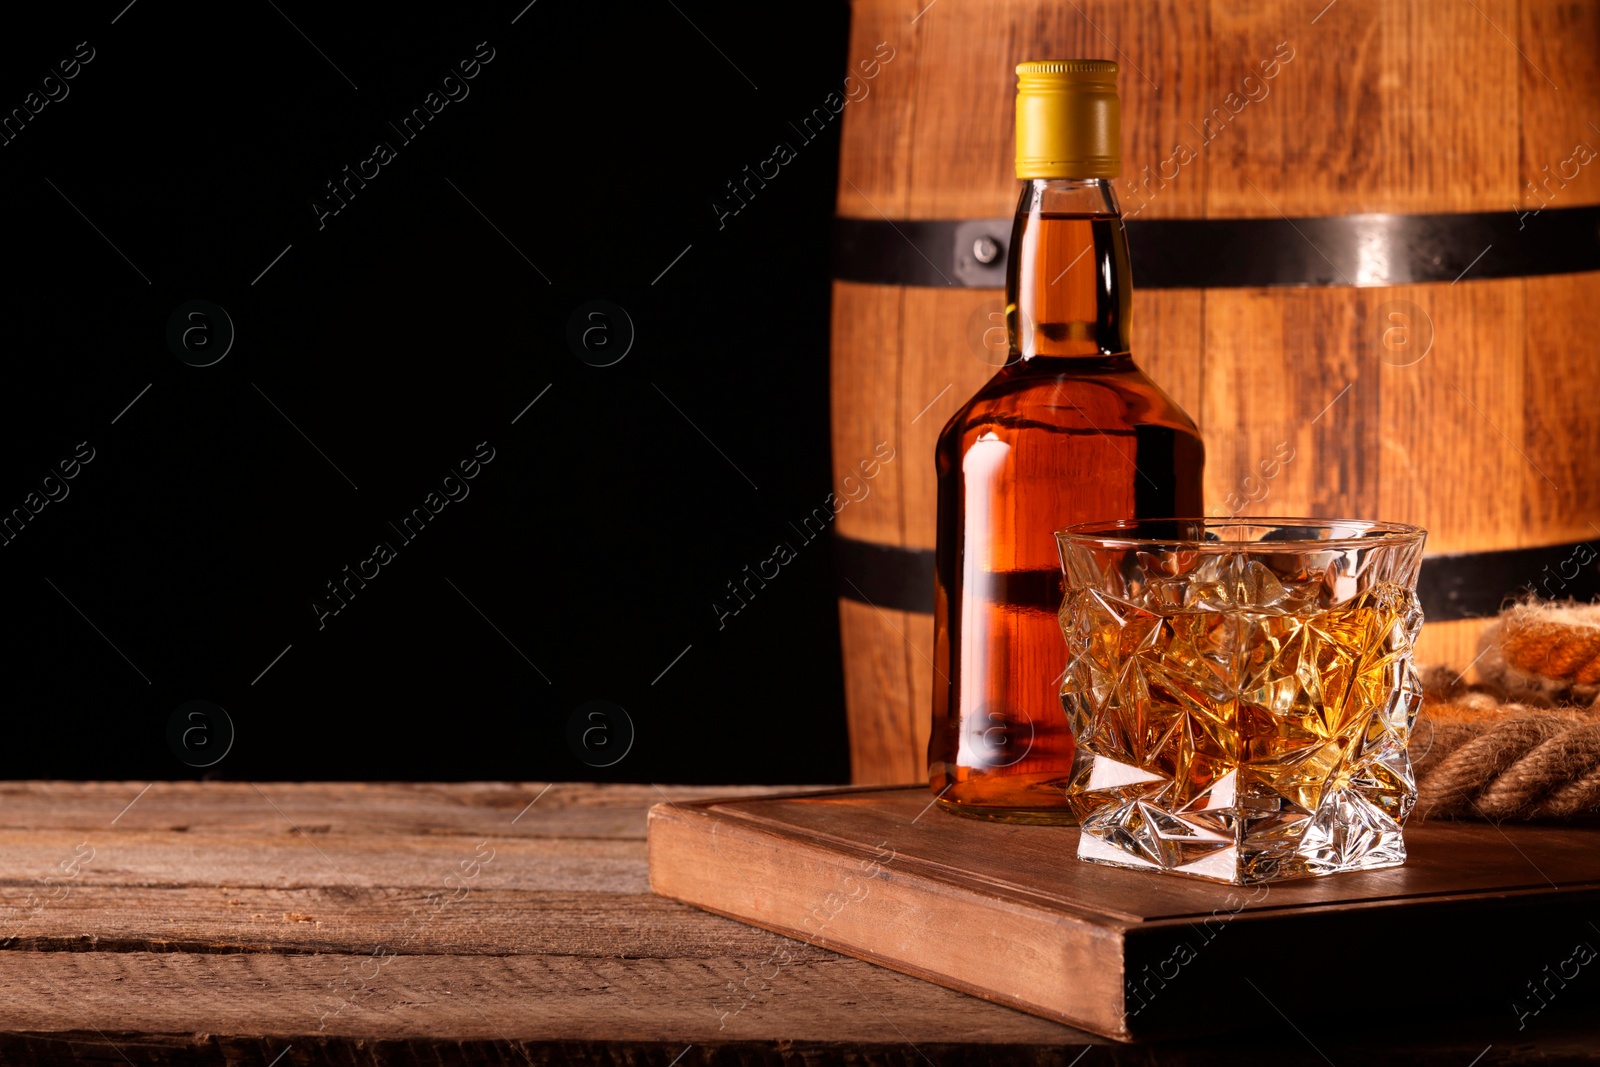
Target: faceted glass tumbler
[{"x": 1241, "y": 693}]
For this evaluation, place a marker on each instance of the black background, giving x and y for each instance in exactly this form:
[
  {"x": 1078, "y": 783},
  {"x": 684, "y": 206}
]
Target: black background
[{"x": 407, "y": 329}]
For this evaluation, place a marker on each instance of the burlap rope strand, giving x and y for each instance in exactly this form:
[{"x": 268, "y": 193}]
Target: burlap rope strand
[{"x": 1524, "y": 743}]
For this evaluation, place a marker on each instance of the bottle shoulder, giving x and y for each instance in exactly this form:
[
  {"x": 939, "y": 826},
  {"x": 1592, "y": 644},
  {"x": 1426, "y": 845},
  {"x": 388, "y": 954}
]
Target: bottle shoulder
[{"x": 1106, "y": 393}]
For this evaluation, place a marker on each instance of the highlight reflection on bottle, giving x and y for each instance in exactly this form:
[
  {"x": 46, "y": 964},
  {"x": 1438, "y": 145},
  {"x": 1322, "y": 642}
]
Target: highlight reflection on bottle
[{"x": 1069, "y": 430}]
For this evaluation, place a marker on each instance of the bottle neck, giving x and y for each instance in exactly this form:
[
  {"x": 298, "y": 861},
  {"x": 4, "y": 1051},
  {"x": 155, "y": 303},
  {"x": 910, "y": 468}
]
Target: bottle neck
[{"x": 1068, "y": 292}]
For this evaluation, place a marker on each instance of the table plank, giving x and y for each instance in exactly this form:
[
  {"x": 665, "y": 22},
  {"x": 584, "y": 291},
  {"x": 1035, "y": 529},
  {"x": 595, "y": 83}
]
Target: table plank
[
  {"x": 489, "y": 922},
  {"x": 559, "y": 809},
  {"x": 332, "y": 860},
  {"x": 161, "y": 1007},
  {"x": 528, "y": 998}
]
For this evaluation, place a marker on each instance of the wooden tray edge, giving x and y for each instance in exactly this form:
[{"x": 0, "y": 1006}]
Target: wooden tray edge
[{"x": 702, "y": 858}]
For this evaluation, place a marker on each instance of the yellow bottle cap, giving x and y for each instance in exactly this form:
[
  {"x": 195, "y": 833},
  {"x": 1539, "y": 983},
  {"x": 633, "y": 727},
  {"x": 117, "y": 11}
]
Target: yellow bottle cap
[{"x": 1069, "y": 120}]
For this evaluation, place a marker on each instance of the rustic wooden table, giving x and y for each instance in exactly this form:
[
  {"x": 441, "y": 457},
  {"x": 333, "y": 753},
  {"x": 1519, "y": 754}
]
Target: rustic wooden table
[{"x": 493, "y": 923}]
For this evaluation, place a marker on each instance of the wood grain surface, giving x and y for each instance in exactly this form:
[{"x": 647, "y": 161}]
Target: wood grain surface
[
  {"x": 296, "y": 924},
  {"x": 1373, "y": 106}
]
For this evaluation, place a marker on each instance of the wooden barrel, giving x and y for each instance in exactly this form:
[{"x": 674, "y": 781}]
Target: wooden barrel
[{"x": 1364, "y": 242}]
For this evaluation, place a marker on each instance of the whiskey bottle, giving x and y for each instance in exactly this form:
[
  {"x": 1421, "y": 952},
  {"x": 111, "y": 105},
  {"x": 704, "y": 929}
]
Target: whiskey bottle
[{"x": 1069, "y": 430}]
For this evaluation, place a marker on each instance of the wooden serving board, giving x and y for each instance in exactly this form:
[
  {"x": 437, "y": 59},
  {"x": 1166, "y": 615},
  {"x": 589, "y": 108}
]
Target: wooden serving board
[{"x": 1009, "y": 913}]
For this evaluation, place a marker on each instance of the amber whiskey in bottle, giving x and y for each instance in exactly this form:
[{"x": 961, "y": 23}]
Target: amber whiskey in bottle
[{"x": 1069, "y": 430}]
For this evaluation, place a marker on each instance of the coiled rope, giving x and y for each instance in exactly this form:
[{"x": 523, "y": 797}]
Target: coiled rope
[{"x": 1524, "y": 742}]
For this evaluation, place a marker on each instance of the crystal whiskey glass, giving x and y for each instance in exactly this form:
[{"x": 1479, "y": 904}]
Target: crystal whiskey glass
[{"x": 1241, "y": 693}]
